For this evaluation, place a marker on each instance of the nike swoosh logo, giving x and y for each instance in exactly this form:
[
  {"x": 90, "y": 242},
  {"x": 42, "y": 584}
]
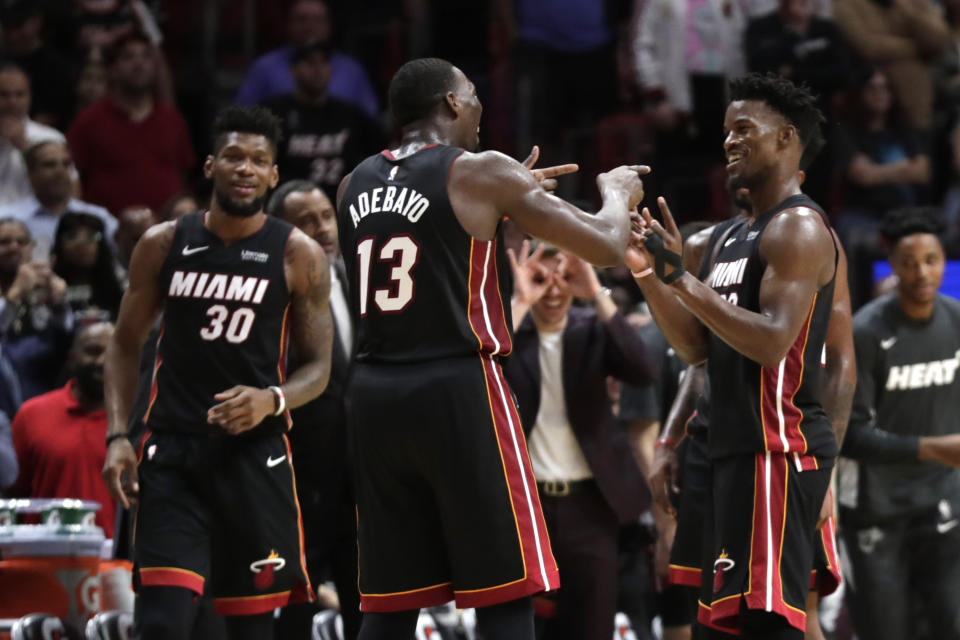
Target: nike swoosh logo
[
  {"x": 187, "y": 251},
  {"x": 272, "y": 462},
  {"x": 889, "y": 342},
  {"x": 729, "y": 242},
  {"x": 943, "y": 527}
]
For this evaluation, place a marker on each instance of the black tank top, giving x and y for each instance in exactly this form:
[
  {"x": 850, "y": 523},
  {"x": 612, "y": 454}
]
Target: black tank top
[
  {"x": 699, "y": 422},
  {"x": 421, "y": 287},
  {"x": 755, "y": 408},
  {"x": 225, "y": 323}
]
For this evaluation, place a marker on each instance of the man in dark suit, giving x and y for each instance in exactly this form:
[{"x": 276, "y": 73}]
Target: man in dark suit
[
  {"x": 588, "y": 480},
  {"x": 318, "y": 440}
]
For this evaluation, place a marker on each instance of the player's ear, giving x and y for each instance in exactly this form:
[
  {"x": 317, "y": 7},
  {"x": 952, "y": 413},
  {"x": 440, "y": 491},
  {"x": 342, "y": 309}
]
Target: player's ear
[
  {"x": 788, "y": 133},
  {"x": 208, "y": 167},
  {"x": 274, "y": 176},
  {"x": 453, "y": 102}
]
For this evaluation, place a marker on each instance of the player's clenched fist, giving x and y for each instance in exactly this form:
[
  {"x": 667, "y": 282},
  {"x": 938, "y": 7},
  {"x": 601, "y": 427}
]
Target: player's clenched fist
[
  {"x": 627, "y": 180},
  {"x": 241, "y": 408}
]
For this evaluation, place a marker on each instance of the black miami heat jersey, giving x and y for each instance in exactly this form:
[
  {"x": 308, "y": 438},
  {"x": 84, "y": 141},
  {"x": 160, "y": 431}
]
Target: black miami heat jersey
[
  {"x": 755, "y": 408},
  {"x": 421, "y": 287},
  {"x": 225, "y": 323}
]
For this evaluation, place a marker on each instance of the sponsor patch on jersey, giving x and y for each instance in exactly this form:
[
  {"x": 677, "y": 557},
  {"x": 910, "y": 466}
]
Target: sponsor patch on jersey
[{"x": 254, "y": 256}]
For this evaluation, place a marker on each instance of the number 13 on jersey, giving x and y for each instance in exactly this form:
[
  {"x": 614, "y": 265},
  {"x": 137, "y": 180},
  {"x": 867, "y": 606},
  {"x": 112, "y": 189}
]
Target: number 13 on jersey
[{"x": 402, "y": 253}]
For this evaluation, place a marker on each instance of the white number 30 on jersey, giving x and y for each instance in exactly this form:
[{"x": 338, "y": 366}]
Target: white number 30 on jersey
[{"x": 237, "y": 327}]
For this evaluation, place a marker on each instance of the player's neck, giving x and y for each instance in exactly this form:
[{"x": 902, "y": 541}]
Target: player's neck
[
  {"x": 774, "y": 191},
  {"x": 232, "y": 228},
  {"x": 419, "y": 136},
  {"x": 917, "y": 311}
]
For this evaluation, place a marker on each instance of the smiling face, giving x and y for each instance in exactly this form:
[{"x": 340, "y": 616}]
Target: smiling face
[
  {"x": 918, "y": 261},
  {"x": 14, "y": 246},
  {"x": 466, "y": 104},
  {"x": 753, "y": 141},
  {"x": 242, "y": 171},
  {"x": 550, "y": 311},
  {"x": 50, "y": 173}
]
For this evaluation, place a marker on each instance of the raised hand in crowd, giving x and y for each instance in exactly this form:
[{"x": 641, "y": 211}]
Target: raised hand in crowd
[
  {"x": 37, "y": 277},
  {"x": 531, "y": 279}
]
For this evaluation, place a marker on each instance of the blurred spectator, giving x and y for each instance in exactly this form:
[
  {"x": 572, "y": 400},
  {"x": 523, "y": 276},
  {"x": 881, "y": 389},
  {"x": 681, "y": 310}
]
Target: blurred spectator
[
  {"x": 900, "y": 504},
  {"x": 801, "y": 46},
  {"x": 51, "y": 75},
  {"x": 684, "y": 51},
  {"x": 323, "y": 138},
  {"x": 319, "y": 445},
  {"x": 566, "y": 67},
  {"x": 885, "y": 162},
  {"x": 130, "y": 147},
  {"x": 947, "y": 69},
  {"x": 951, "y": 200},
  {"x": 60, "y": 436},
  {"x": 10, "y": 397},
  {"x": 91, "y": 85},
  {"x": 902, "y": 37},
  {"x": 84, "y": 259},
  {"x": 270, "y": 74},
  {"x": 8, "y": 456},
  {"x": 50, "y": 170},
  {"x": 179, "y": 205},
  {"x": 17, "y": 133},
  {"x": 133, "y": 223},
  {"x": 36, "y": 324},
  {"x": 588, "y": 481}
]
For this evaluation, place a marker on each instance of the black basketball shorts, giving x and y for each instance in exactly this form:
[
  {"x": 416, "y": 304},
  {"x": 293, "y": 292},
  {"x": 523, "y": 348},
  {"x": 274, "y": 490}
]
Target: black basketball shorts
[
  {"x": 447, "y": 505},
  {"x": 694, "y": 485},
  {"x": 219, "y": 514},
  {"x": 760, "y": 535}
]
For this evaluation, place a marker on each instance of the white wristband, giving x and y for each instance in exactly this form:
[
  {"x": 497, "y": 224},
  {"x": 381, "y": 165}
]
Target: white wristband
[{"x": 281, "y": 400}]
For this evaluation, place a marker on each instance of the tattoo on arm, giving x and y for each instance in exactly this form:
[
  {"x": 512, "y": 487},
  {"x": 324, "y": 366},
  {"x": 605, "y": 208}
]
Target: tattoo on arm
[{"x": 311, "y": 326}]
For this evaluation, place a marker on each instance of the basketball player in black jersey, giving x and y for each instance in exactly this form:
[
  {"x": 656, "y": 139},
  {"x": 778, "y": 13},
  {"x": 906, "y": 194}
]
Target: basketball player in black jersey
[
  {"x": 447, "y": 504},
  {"x": 761, "y": 320},
  {"x": 212, "y": 476},
  {"x": 684, "y": 436}
]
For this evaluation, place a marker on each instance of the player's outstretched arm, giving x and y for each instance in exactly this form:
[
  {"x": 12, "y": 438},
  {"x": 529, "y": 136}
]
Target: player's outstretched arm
[
  {"x": 311, "y": 323},
  {"x": 841, "y": 382},
  {"x": 798, "y": 251},
  {"x": 138, "y": 311},
  {"x": 485, "y": 187}
]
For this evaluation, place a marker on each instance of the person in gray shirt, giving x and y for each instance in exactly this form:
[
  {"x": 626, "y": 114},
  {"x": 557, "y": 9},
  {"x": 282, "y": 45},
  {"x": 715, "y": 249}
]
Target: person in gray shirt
[{"x": 900, "y": 500}]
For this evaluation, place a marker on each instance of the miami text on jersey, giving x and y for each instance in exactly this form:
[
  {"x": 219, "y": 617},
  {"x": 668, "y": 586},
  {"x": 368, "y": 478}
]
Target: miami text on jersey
[{"x": 217, "y": 286}]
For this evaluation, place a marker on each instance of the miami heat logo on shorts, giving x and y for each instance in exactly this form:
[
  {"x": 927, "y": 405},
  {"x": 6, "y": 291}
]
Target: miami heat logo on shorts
[
  {"x": 721, "y": 564},
  {"x": 263, "y": 569}
]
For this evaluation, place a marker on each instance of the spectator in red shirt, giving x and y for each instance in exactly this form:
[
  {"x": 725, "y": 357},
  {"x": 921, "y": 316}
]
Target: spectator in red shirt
[
  {"x": 60, "y": 436},
  {"x": 130, "y": 148}
]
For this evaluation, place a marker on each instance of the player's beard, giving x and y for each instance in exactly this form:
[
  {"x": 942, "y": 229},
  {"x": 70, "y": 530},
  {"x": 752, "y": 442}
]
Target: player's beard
[
  {"x": 239, "y": 209},
  {"x": 90, "y": 382}
]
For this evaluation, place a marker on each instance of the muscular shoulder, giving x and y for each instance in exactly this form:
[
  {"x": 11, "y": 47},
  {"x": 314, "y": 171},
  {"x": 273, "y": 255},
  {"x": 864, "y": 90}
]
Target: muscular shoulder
[
  {"x": 305, "y": 263},
  {"x": 155, "y": 243},
  {"x": 951, "y": 305},
  {"x": 695, "y": 248},
  {"x": 797, "y": 230},
  {"x": 484, "y": 166}
]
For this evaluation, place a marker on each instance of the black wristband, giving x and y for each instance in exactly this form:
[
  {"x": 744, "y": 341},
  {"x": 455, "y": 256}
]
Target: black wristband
[
  {"x": 662, "y": 257},
  {"x": 116, "y": 436}
]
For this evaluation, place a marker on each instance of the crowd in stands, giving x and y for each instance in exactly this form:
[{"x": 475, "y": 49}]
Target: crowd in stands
[{"x": 105, "y": 107}]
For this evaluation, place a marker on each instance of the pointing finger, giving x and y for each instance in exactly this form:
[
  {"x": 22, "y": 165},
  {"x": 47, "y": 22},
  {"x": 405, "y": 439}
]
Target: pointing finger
[
  {"x": 557, "y": 170},
  {"x": 229, "y": 393},
  {"x": 641, "y": 169},
  {"x": 532, "y": 158},
  {"x": 668, "y": 221}
]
